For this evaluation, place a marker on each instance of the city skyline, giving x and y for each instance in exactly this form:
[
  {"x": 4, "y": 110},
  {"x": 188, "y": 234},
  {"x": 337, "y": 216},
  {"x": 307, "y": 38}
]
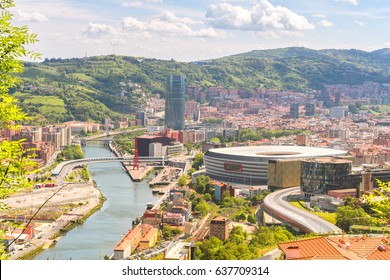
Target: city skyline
[{"x": 196, "y": 30}]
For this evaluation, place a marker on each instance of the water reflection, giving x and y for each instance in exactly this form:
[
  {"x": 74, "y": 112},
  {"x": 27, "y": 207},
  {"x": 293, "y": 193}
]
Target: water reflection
[{"x": 126, "y": 200}]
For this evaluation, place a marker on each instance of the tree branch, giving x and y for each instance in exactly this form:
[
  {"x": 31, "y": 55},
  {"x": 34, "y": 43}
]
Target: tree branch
[{"x": 36, "y": 212}]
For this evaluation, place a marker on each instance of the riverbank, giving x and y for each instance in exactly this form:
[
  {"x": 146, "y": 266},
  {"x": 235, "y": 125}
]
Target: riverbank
[
  {"x": 68, "y": 227},
  {"x": 136, "y": 175},
  {"x": 70, "y": 207}
]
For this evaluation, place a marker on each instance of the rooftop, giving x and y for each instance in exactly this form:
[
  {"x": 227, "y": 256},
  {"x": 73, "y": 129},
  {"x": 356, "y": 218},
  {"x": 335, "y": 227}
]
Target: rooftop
[
  {"x": 268, "y": 151},
  {"x": 127, "y": 239},
  {"x": 339, "y": 247}
]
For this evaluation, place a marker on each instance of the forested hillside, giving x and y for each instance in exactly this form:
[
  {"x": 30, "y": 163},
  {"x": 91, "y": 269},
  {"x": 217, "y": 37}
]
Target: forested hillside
[{"x": 95, "y": 88}]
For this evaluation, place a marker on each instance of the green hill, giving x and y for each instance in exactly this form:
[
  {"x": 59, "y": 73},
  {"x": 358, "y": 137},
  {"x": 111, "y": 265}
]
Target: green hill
[{"x": 98, "y": 87}]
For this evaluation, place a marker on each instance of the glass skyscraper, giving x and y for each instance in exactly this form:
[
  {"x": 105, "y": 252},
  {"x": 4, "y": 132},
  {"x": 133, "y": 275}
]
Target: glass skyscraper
[{"x": 174, "y": 102}]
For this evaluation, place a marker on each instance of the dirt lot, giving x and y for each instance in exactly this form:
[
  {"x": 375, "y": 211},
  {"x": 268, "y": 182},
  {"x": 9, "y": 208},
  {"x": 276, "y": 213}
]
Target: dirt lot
[{"x": 68, "y": 198}]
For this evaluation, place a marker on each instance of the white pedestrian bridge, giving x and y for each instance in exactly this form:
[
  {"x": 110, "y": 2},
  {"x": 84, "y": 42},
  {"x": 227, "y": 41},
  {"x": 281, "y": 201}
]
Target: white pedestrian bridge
[{"x": 62, "y": 167}]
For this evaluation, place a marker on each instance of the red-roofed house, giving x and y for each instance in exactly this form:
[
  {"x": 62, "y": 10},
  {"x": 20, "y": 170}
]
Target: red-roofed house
[{"x": 337, "y": 247}]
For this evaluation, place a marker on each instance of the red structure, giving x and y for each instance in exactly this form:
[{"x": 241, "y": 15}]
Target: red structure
[{"x": 136, "y": 159}]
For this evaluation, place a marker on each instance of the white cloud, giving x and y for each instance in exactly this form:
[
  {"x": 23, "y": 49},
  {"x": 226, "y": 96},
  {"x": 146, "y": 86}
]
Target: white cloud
[
  {"x": 169, "y": 16},
  {"x": 319, "y": 16},
  {"x": 353, "y": 2},
  {"x": 226, "y": 16},
  {"x": 97, "y": 30},
  {"x": 132, "y": 4},
  {"x": 169, "y": 24},
  {"x": 325, "y": 23},
  {"x": 139, "y": 3},
  {"x": 262, "y": 17},
  {"x": 359, "y": 23},
  {"x": 31, "y": 17}
]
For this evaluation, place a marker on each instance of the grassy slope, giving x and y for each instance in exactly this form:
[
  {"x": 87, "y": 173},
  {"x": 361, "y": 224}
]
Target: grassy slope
[
  {"x": 330, "y": 217},
  {"x": 94, "y": 82}
]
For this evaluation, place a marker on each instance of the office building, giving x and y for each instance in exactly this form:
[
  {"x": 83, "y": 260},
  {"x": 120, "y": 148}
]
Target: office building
[
  {"x": 284, "y": 173},
  {"x": 309, "y": 109},
  {"x": 141, "y": 116},
  {"x": 320, "y": 175},
  {"x": 294, "y": 110},
  {"x": 174, "y": 102}
]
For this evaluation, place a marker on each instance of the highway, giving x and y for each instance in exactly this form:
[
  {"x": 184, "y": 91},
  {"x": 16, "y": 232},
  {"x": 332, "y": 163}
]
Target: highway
[{"x": 276, "y": 204}]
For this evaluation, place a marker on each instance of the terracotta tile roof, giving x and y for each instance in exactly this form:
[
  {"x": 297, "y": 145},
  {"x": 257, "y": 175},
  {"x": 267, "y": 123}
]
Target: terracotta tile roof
[
  {"x": 220, "y": 218},
  {"x": 330, "y": 258},
  {"x": 127, "y": 239},
  {"x": 311, "y": 248},
  {"x": 339, "y": 247},
  {"x": 360, "y": 245},
  {"x": 380, "y": 253},
  {"x": 149, "y": 234}
]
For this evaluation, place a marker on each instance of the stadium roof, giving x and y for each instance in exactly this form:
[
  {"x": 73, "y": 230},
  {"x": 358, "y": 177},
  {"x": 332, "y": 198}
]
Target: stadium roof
[{"x": 277, "y": 152}]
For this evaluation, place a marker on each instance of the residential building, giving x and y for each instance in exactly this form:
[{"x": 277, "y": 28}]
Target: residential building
[
  {"x": 179, "y": 205},
  {"x": 337, "y": 248},
  {"x": 142, "y": 236},
  {"x": 222, "y": 189},
  {"x": 152, "y": 217},
  {"x": 174, "y": 219},
  {"x": 8, "y": 242},
  {"x": 303, "y": 139},
  {"x": 256, "y": 190},
  {"x": 338, "y": 112},
  {"x": 128, "y": 243},
  {"x": 149, "y": 238},
  {"x": 341, "y": 133},
  {"x": 219, "y": 227}
]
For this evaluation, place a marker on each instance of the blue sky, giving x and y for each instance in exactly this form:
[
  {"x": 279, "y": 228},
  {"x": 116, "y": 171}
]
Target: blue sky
[{"x": 193, "y": 30}]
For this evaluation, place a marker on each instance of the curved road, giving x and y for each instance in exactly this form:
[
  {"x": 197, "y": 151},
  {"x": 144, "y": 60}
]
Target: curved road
[{"x": 276, "y": 204}]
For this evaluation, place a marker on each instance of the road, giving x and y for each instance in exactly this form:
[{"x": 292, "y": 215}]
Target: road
[{"x": 276, "y": 203}]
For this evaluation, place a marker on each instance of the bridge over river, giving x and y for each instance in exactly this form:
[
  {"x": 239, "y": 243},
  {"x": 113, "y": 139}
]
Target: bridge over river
[{"x": 63, "y": 169}]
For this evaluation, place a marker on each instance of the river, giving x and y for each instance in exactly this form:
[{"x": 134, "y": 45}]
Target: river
[{"x": 126, "y": 200}]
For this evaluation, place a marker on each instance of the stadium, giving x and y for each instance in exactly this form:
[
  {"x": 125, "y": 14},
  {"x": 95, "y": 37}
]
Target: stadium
[{"x": 249, "y": 164}]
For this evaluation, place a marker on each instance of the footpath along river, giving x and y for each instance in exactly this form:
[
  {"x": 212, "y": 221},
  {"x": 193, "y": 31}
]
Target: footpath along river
[{"x": 126, "y": 200}]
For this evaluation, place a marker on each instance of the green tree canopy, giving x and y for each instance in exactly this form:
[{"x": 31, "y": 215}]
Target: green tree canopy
[
  {"x": 14, "y": 159},
  {"x": 182, "y": 180},
  {"x": 347, "y": 216}
]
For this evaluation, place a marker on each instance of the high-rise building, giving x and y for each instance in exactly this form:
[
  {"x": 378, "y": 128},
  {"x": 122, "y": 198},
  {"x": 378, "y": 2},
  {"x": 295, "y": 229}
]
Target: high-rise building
[
  {"x": 174, "y": 103},
  {"x": 338, "y": 112},
  {"x": 337, "y": 98},
  {"x": 309, "y": 109},
  {"x": 294, "y": 110},
  {"x": 142, "y": 117}
]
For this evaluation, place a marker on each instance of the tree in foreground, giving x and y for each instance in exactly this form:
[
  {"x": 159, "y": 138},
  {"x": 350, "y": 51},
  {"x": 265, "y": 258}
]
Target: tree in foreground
[{"x": 14, "y": 159}]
